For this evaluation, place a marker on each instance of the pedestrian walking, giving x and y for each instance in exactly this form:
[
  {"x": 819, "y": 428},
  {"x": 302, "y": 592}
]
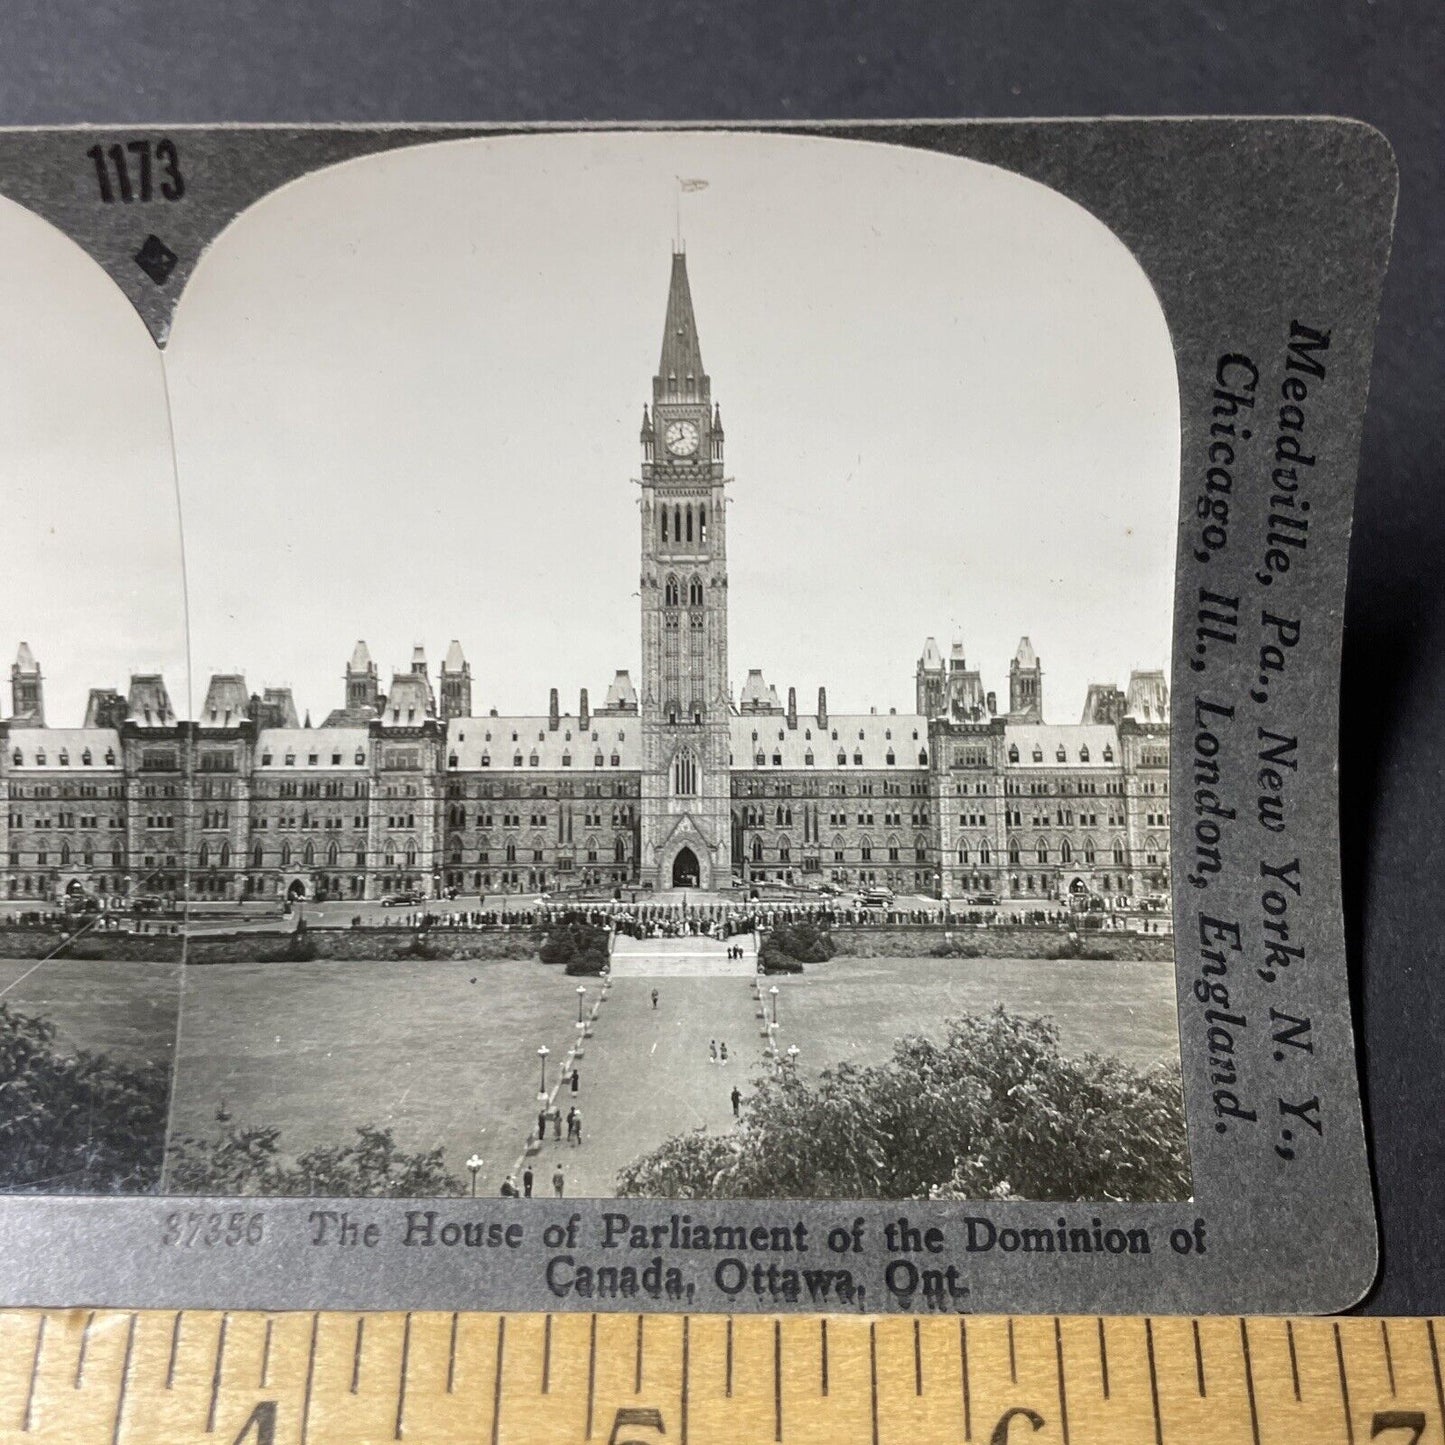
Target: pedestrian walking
[
  {"x": 556, "y": 1123},
  {"x": 723, "y": 1051},
  {"x": 737, "y": 1100},
  {"x": 571, "y": 1123},
  {"x": 575, "y": 1081},
  {"x": 541, "y": 1125},
  {"x": 557, "y": 1181},
  {"x": 577, "y": 1128},
  {"x": 527, "y": 1172},
  {"x": 654, "y": 998},
  {"x": 712, "y": 1051}
]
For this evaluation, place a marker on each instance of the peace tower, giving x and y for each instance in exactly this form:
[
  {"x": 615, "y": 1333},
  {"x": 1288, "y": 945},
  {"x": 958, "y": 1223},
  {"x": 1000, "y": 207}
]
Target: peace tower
[{"x": 686, "y": 836}]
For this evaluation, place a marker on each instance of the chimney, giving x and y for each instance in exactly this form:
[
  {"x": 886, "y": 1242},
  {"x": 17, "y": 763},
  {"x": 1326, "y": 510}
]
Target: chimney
[
  {"x": 822, "y": 707},
  {"x": 584, "y": 713},
  {"x": 792, "y": 709},
  {"x": 993, "y": 704},
  {"x": 553, "y": 715}
]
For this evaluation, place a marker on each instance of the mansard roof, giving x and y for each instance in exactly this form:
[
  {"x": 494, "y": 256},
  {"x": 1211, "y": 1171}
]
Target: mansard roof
[
  {"x": 25, "y": 659},
  {"x": 335, "y": 749},
  {"x": 1025, "y": 656},
  {"x": 681, "y": 351},
  {"x": 360, "y": 659},
  {"x": 226, "y": 701},
  {"x": 64, "y": 750},
  {"x": 1073, "y": 738},
  {"x": 621, "y": 693},
  {"x": 454, "y": 661},
  {"x": 509, "y": 744},
  {"x": 148, "y": 704},
  {"x": 932, "y": 658},
  {"x": 867, "y": 736},
  {"x": 408, "y": 701},
  {"x": 1148, "y": 696}
]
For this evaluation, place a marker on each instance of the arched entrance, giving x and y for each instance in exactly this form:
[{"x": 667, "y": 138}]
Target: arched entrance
[
  {"x": 297, "y": 889},
  {"x": 686, "y": 872}
]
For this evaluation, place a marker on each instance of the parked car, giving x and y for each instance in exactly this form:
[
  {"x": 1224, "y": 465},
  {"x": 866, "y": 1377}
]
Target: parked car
[
  {"x": 984, "y": 900},
  {"x": 402, "y": 900}
]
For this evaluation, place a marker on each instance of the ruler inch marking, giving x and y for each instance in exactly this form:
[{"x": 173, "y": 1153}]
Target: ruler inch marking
[
  {"x": 547, "y": 1355},
  {"x": 729, "y": 1381},
  {"x": 29, "y": 1416},
  {"x": 124, "y": 1381},
  {"x": 1013, "y": 1364},
  {"x": 401, "y": 1378},
  {"x": 1435, "y": 1366},
  {"x": 497, "y": 1383},
  {"x": 1293, "y": 1358},
  {"x": 637, "y": 1367},
  {"x": 310, "y": 1379},
  {"x": 216, "y": 1373},
  {"x": 872, "y": 1378},
  {"x": 1389, "y": 1354},
  {"x": 917, "y": 1359},
  {"x": 1199, "y": 1363},
  {"x": 356, "y": 1354},
  {"x": 1249, "y": 1379},
  {"x": 266, "y": 1354},
  {"x": 175, "y": 1349},
  {"x": 1063, "y": 1390},
  {"x": 778, "y": 1380},
  {"x": 823, "y": 1355},
  {"x": 1103, "y": 1358},
  {"x": 1344, "y": 1385},
  {"x": 84, "y": 1349},
  {"x": 963, "y": 1363},
  {"x": 591, "y": 1371},
  {"x": 686, "y": 1361},
  {"x": 1154, "y": 1381},
  {"x": 452, "y": 1356}
]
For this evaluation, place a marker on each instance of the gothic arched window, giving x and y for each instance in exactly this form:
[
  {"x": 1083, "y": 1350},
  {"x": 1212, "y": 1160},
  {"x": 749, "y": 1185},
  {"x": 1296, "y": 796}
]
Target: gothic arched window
[
  {"x": 702, "y": 524},
  {"x": 664, "y": 524},
  {"x": 684, "y": 774},
  {"x": 694, "y": 592},
  {"x": 689, "y": 523}
]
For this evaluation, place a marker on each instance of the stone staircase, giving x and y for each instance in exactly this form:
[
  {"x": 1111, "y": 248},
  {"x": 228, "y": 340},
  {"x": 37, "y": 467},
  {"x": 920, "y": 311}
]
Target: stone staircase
[{"x": 683, "y": 957}]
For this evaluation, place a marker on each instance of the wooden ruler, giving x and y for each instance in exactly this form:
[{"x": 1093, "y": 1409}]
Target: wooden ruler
[{"x": 112, "y": 1377}]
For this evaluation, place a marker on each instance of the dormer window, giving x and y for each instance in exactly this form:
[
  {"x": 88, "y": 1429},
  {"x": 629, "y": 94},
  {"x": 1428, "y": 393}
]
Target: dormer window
[
  {"x": 64, "y": 758},
  {"x": 808, "y": 735},
  {"x": 1061, "y": 755},
  {"x": 781, "y": 735},
  {"x": 1108, "y": 753},
  {"x": 516, "y": 760},
  {"x": 890, "y": 760},
  {"x": 1013, "y": 752},
  {"x": 290, "y": 760},
  {"x": 1084, "y": 754},
  {"x": 486, "y": 760},
  {"x": 533, "y": 759},
  {"x": 808, "y": 758},
  {"x": 336, "y": 759},
  {"x": 566, "y": 759},
  {"x": 85, "y": 758},
  {"x": 755, "y": 734},
  {"x": 777, "y": 760},
  {"x": 888, "y": 734},
  {"x": 311, "y": 759},
  {"x": 110, "y": 757},
  {"x": 18, "y": 758},
  {"x": 1038, "y": 753},
  {"x": 567, "y": 735},
  {"x": 266, "y": 758},
  {"x": 860, "y": 735},
  {"x": 598, "y": 761},
  {"x": 923, "y": 757},
  {"x": 40, "y": 757},
  {"x": 857, "y": 758},
  {"x": 514, "y": 737},
  {"x": 594, "y": 736},
  {"x": 616, "y": 761},
  {"x": 762, "y": 758},
  {"x": 835, "y": 735},
  {"x": 842, "y": 758},
  {"x": 451, "y": 760}
]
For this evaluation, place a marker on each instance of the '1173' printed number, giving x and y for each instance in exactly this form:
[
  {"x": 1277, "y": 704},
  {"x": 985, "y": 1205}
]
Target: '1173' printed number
[{"x": 140, "y": 170}]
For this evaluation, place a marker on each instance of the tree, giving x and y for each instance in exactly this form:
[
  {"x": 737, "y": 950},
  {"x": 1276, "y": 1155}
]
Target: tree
[
  {"x": 580, "y": 947},
  {"x": 786, "y": 948},
  {"x": 80, "y": 1123},
  {"x": 995, "y": 1111},
  {"x": 248, "y": 1161}
]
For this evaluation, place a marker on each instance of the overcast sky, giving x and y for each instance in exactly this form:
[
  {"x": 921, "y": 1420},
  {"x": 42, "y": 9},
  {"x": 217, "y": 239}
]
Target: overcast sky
[{"x": 407, "y": 393}]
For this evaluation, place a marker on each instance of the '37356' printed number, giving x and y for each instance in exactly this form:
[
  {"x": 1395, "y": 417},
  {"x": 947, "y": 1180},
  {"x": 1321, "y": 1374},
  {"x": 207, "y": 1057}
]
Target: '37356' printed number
[{"x": 199, "y": 1227}]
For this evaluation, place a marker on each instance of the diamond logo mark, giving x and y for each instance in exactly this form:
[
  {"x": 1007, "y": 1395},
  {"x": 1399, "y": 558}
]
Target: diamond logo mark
[{"x": 156, "y": 259}]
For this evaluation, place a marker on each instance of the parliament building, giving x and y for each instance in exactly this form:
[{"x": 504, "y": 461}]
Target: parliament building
[{"x": 677, "y": 781}]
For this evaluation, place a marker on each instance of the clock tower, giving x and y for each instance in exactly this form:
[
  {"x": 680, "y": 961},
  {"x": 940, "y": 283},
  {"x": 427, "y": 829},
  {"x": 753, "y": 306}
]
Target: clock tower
[{"x": 686, "y": 832}]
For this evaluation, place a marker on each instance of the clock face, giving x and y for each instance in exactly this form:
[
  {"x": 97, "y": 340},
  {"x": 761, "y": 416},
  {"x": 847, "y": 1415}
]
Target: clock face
[{"x": 681, "y": 438}]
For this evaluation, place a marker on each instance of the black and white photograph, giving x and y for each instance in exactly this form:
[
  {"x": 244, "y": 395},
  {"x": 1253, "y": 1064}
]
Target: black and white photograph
[{"x": 596, "y": 665}]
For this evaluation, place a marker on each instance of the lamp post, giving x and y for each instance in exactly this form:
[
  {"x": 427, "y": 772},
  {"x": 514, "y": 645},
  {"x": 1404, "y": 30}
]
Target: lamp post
[
  {"x": 581, "y": 994},
  {"x": 773, "y": 1039},
  {"x": 475, "y": 1165},
  {"x": 774, "y": 992},
  {"x": 542, "y": 1087},
  {"x": 793, "y": 1052}
]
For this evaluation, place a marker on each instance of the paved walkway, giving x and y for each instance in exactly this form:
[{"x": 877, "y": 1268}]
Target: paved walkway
[
  {"x": 645, "y": 1075},
  {"x": 691, "y": 957}
]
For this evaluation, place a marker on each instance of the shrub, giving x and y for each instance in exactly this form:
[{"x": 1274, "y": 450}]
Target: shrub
[
  {"x": 299, "y": 947},
  {"x": 580, "y": 947},
  {"x": 995, "y": 1111},
  {"x": 955, "y": 948},
  {"x": 82, "y": 1123},
  {"x": 248, "y": 1161},
  {"x": 786, "y": 948}
]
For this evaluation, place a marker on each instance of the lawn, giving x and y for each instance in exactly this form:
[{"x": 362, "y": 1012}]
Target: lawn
[
  {"x": 127, "y": 1010},
  {"x": 853, "y": 1008},
  {"x": 443, "y": 1053}
]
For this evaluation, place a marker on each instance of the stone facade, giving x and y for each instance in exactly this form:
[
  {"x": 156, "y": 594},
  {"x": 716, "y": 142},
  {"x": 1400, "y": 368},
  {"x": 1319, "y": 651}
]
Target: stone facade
[{"x": 675, "y": 784}]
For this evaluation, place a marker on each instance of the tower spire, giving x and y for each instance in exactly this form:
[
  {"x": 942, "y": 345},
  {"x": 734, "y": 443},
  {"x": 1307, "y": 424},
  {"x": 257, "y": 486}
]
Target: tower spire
[{"x": 681, "y": 353}]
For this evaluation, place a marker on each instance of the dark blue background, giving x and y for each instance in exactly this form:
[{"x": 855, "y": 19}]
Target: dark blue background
[{"x": 376, "y": 60}]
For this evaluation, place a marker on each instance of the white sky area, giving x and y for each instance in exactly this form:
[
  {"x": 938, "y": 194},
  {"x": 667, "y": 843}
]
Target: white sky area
[{"x": 407, "y": 393}]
